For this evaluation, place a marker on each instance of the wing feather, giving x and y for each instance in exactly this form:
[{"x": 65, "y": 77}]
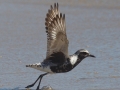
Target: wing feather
[{"x": 56, "y": 32}]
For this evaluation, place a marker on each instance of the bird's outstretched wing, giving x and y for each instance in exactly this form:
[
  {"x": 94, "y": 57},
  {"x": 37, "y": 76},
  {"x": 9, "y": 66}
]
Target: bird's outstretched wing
[{"x": 56, "y": 32}]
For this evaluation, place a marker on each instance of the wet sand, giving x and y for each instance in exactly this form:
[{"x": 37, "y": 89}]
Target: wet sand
[{"x": 91, "y": 24}]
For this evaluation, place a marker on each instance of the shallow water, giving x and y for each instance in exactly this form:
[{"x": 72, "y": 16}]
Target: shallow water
[{"x": 91, "y": 24}]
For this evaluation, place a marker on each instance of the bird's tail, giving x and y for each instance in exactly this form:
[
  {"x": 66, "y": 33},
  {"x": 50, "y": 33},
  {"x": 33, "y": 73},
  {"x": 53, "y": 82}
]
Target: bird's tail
[
  {"x": 41, "y": 67},
  {"x": 35, "y": 66}
]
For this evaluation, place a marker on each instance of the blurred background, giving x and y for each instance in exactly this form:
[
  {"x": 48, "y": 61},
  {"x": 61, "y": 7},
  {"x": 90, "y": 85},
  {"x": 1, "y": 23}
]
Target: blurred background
[{"x": 90, "y": 24}]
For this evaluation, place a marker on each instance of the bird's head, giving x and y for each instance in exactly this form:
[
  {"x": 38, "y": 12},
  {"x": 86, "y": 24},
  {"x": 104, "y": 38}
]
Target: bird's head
[{"x": 82, "y": 53}]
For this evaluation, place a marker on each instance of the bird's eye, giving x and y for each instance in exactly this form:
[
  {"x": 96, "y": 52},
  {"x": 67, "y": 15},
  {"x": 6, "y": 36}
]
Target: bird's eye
[{"x": 84, "y": 53}]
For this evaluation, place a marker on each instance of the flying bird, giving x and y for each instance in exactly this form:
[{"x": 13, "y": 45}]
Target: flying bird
[{"x": 57, "y": 59}]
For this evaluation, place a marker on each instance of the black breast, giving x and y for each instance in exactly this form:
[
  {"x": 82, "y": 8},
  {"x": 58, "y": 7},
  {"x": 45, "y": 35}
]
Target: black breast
[
  {"x": 61, "y": 69},
  {"x": 65, "y": 67}
]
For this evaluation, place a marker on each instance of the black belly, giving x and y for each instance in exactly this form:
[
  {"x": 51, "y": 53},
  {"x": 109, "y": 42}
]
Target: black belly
[{"x": 62, "y": 68}]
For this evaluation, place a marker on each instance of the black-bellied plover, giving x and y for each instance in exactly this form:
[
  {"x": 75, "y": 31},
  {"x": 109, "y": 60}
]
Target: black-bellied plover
[{"x": 57, "y": 58}]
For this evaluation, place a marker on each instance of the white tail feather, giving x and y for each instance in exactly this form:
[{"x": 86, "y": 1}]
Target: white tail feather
[{"x": 40, "y": 67}]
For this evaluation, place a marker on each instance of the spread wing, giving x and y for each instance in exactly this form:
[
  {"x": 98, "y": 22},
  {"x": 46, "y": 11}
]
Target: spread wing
[{"x": 56, "y": 32}]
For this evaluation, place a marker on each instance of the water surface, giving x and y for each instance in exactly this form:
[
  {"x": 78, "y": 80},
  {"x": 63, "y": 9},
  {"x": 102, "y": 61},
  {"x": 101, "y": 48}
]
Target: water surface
[{"x": 93, "y": 25}]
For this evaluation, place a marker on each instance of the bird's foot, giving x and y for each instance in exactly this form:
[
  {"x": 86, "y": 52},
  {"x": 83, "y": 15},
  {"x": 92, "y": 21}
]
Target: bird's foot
[
  {"x": 30, "y": 86},
  {"x": 38, "y": 88}
]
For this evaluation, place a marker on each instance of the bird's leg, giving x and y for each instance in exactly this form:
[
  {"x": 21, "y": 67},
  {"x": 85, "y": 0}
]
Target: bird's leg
[
  {"x": 34, "y": 82},
  {"x": 40, "y": 80}
]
